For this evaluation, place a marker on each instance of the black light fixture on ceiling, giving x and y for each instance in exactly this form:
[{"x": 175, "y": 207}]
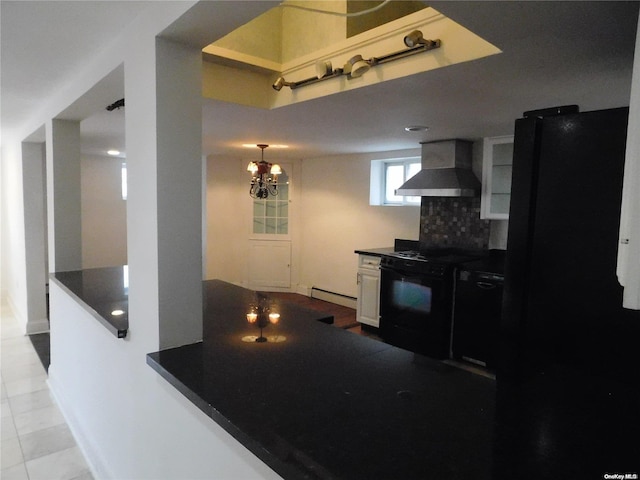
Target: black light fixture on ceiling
[
  {"x": 356, "y": 66},
  {"x": 118, "y": 104},
  {"x": 264, "y": 176}
]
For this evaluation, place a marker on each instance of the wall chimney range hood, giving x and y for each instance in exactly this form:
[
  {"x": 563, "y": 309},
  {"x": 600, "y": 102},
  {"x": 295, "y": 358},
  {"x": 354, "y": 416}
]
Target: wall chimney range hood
[{"x": 446, "y": 172}]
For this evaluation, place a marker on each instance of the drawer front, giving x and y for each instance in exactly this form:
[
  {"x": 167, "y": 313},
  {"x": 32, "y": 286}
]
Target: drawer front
[{"x": 368, "y": 261}]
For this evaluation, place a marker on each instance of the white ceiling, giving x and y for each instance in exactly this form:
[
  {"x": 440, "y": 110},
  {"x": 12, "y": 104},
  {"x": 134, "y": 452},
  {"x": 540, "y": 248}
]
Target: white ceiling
[
  {"x": 555, "y": 53},
  {"x": 43, "y": 43}
]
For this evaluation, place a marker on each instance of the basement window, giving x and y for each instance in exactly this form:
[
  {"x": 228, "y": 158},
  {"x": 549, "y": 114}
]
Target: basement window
[{"x": 387, "y": 176}]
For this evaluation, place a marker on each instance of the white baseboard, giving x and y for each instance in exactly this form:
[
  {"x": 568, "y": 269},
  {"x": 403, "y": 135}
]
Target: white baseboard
[
  {"x": 38, "y": 326},
  {"x": 29, "y": 327},
  {"x": 334, "y": 298},
  {"x": 17, "y": 313},
  {"x": 303, "y": 290}
]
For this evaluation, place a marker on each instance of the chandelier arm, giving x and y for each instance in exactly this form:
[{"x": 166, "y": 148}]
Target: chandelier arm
[{"x": 273, "y": 189}]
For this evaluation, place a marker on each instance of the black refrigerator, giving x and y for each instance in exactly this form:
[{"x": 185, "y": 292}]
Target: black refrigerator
[{"x": 568, "y": 378}]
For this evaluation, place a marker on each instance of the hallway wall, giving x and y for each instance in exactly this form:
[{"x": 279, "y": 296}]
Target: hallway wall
[{"x": 104, "y": 213}]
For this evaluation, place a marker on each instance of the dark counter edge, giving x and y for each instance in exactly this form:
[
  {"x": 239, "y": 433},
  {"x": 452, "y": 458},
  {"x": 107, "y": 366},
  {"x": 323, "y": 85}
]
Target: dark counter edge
[
  {"x": 118, "y": 332},
  {"x": 255, "y": 447},
  {"x": 375, "y": 252}
]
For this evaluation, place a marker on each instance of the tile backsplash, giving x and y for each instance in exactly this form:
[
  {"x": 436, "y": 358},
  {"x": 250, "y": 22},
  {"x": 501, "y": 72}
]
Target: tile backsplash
[{"x": 453, "y": 221}]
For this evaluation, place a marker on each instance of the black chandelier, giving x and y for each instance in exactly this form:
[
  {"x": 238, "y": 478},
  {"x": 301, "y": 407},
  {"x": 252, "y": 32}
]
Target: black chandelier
[{"x": 264, "y": 177}]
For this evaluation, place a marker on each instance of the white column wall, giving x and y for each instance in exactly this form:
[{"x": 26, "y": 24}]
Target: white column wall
[
  {"x": 14, "y": 282},
  {"x": 164, "y": 205},
  {"x": 64, "y": 195},
  {"x": 179, "y": 176},
  {"x": 629, "y": 248},
  {"x": 142, "y": 224},
  {"x": 33, "y": 178}
]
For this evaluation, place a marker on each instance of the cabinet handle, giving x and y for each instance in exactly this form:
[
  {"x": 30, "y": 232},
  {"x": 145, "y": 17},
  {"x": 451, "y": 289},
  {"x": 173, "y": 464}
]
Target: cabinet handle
[
  {"x": 358, "y": 279},
  {"x": 485, "y": 285}
]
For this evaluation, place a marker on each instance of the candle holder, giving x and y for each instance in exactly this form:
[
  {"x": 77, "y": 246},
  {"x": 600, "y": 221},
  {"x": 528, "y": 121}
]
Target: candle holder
[{"x": 262, "y": 315}]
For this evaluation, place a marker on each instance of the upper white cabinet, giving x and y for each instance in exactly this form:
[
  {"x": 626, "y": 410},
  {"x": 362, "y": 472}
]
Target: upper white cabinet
[{"x": 496, "y": 177}]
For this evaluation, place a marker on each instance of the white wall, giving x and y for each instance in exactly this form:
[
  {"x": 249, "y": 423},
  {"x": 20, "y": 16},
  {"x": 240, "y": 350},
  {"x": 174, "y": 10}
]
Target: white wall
[
  {"x": 228, "y": 207},
  {"x": 14, "y": 288},
  {"x": 331, "y": 217},
  {"x": 104, "y": 213},
  {"x": 337, "y": 219},
  {"x": 34, "y": 179}
]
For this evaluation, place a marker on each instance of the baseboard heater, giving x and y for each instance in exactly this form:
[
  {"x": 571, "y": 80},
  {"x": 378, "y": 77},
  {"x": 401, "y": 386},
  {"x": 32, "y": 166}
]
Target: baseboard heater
[{"x": 333, "y": 297}]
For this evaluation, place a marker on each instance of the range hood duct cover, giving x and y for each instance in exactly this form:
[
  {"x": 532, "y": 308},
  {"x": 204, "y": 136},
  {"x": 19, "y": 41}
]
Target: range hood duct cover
[{"x": 446, "y": 172}]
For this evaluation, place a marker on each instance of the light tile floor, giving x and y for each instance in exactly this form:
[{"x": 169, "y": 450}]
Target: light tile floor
[{"x": 36, "y": 442}]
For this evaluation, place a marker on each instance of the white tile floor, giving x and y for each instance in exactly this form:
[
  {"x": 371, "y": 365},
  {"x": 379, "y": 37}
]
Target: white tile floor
[{"x": 36, "y": 442}]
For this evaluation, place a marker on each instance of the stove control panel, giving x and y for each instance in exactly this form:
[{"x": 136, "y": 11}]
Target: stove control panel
[{"x": 421, "y": 266}]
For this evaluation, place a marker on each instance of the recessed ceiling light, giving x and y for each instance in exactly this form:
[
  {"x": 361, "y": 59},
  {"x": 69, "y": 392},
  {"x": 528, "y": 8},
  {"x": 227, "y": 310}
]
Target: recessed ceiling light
[
  {"x": 113, "y": 153},
  {"x": 416, "y": 128},
  {"x": 117, "y": 313}
]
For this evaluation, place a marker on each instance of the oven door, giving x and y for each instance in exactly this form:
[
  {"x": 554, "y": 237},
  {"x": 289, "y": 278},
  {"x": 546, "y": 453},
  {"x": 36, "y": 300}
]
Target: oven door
[{"x": 415, "y": 311}]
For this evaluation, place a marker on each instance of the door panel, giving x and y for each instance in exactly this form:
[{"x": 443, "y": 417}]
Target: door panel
[{"x": 269, "y": 264}]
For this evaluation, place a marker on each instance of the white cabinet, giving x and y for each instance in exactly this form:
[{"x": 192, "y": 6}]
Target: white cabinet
[
  {"x": 368, "y": 307},
  {"x": 496, "y": 177}
]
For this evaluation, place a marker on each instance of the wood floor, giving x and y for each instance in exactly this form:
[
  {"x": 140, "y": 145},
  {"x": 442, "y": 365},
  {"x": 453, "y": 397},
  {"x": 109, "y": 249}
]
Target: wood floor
[{"x": 343, "y": 317}]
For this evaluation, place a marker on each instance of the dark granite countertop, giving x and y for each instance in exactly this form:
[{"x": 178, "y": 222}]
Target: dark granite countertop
[
  {"x": 375, "y": 252},
  {"x": 327, "y": 403},
  {"x": 399, "y": 245},
  {"x": 492, "y": 263},
  {"x": 103, "y": 292}
]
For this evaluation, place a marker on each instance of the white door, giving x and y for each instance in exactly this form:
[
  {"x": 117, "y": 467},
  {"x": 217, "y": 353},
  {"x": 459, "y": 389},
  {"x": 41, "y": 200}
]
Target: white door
[{"x": 269, "y": 262}]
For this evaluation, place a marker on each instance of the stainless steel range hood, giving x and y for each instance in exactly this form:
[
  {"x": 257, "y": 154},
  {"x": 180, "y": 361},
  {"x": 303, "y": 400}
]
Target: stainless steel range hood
[{"x": 446, "y": 172}]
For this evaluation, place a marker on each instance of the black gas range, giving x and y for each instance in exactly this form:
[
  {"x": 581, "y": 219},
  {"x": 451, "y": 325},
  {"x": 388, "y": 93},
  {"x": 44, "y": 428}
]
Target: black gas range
[
  {"x": 416, "y": 298},
  {"x": 434, "y": 261}
]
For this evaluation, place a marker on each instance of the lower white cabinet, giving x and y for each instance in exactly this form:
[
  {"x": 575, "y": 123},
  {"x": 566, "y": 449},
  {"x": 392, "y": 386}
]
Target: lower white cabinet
[{"x": 368, "y": 307}]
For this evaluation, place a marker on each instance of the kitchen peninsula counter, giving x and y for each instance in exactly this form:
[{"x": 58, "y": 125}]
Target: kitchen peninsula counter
[
  {"x": 102, "y": 292},
  {"x": 322, "y": 402}
]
